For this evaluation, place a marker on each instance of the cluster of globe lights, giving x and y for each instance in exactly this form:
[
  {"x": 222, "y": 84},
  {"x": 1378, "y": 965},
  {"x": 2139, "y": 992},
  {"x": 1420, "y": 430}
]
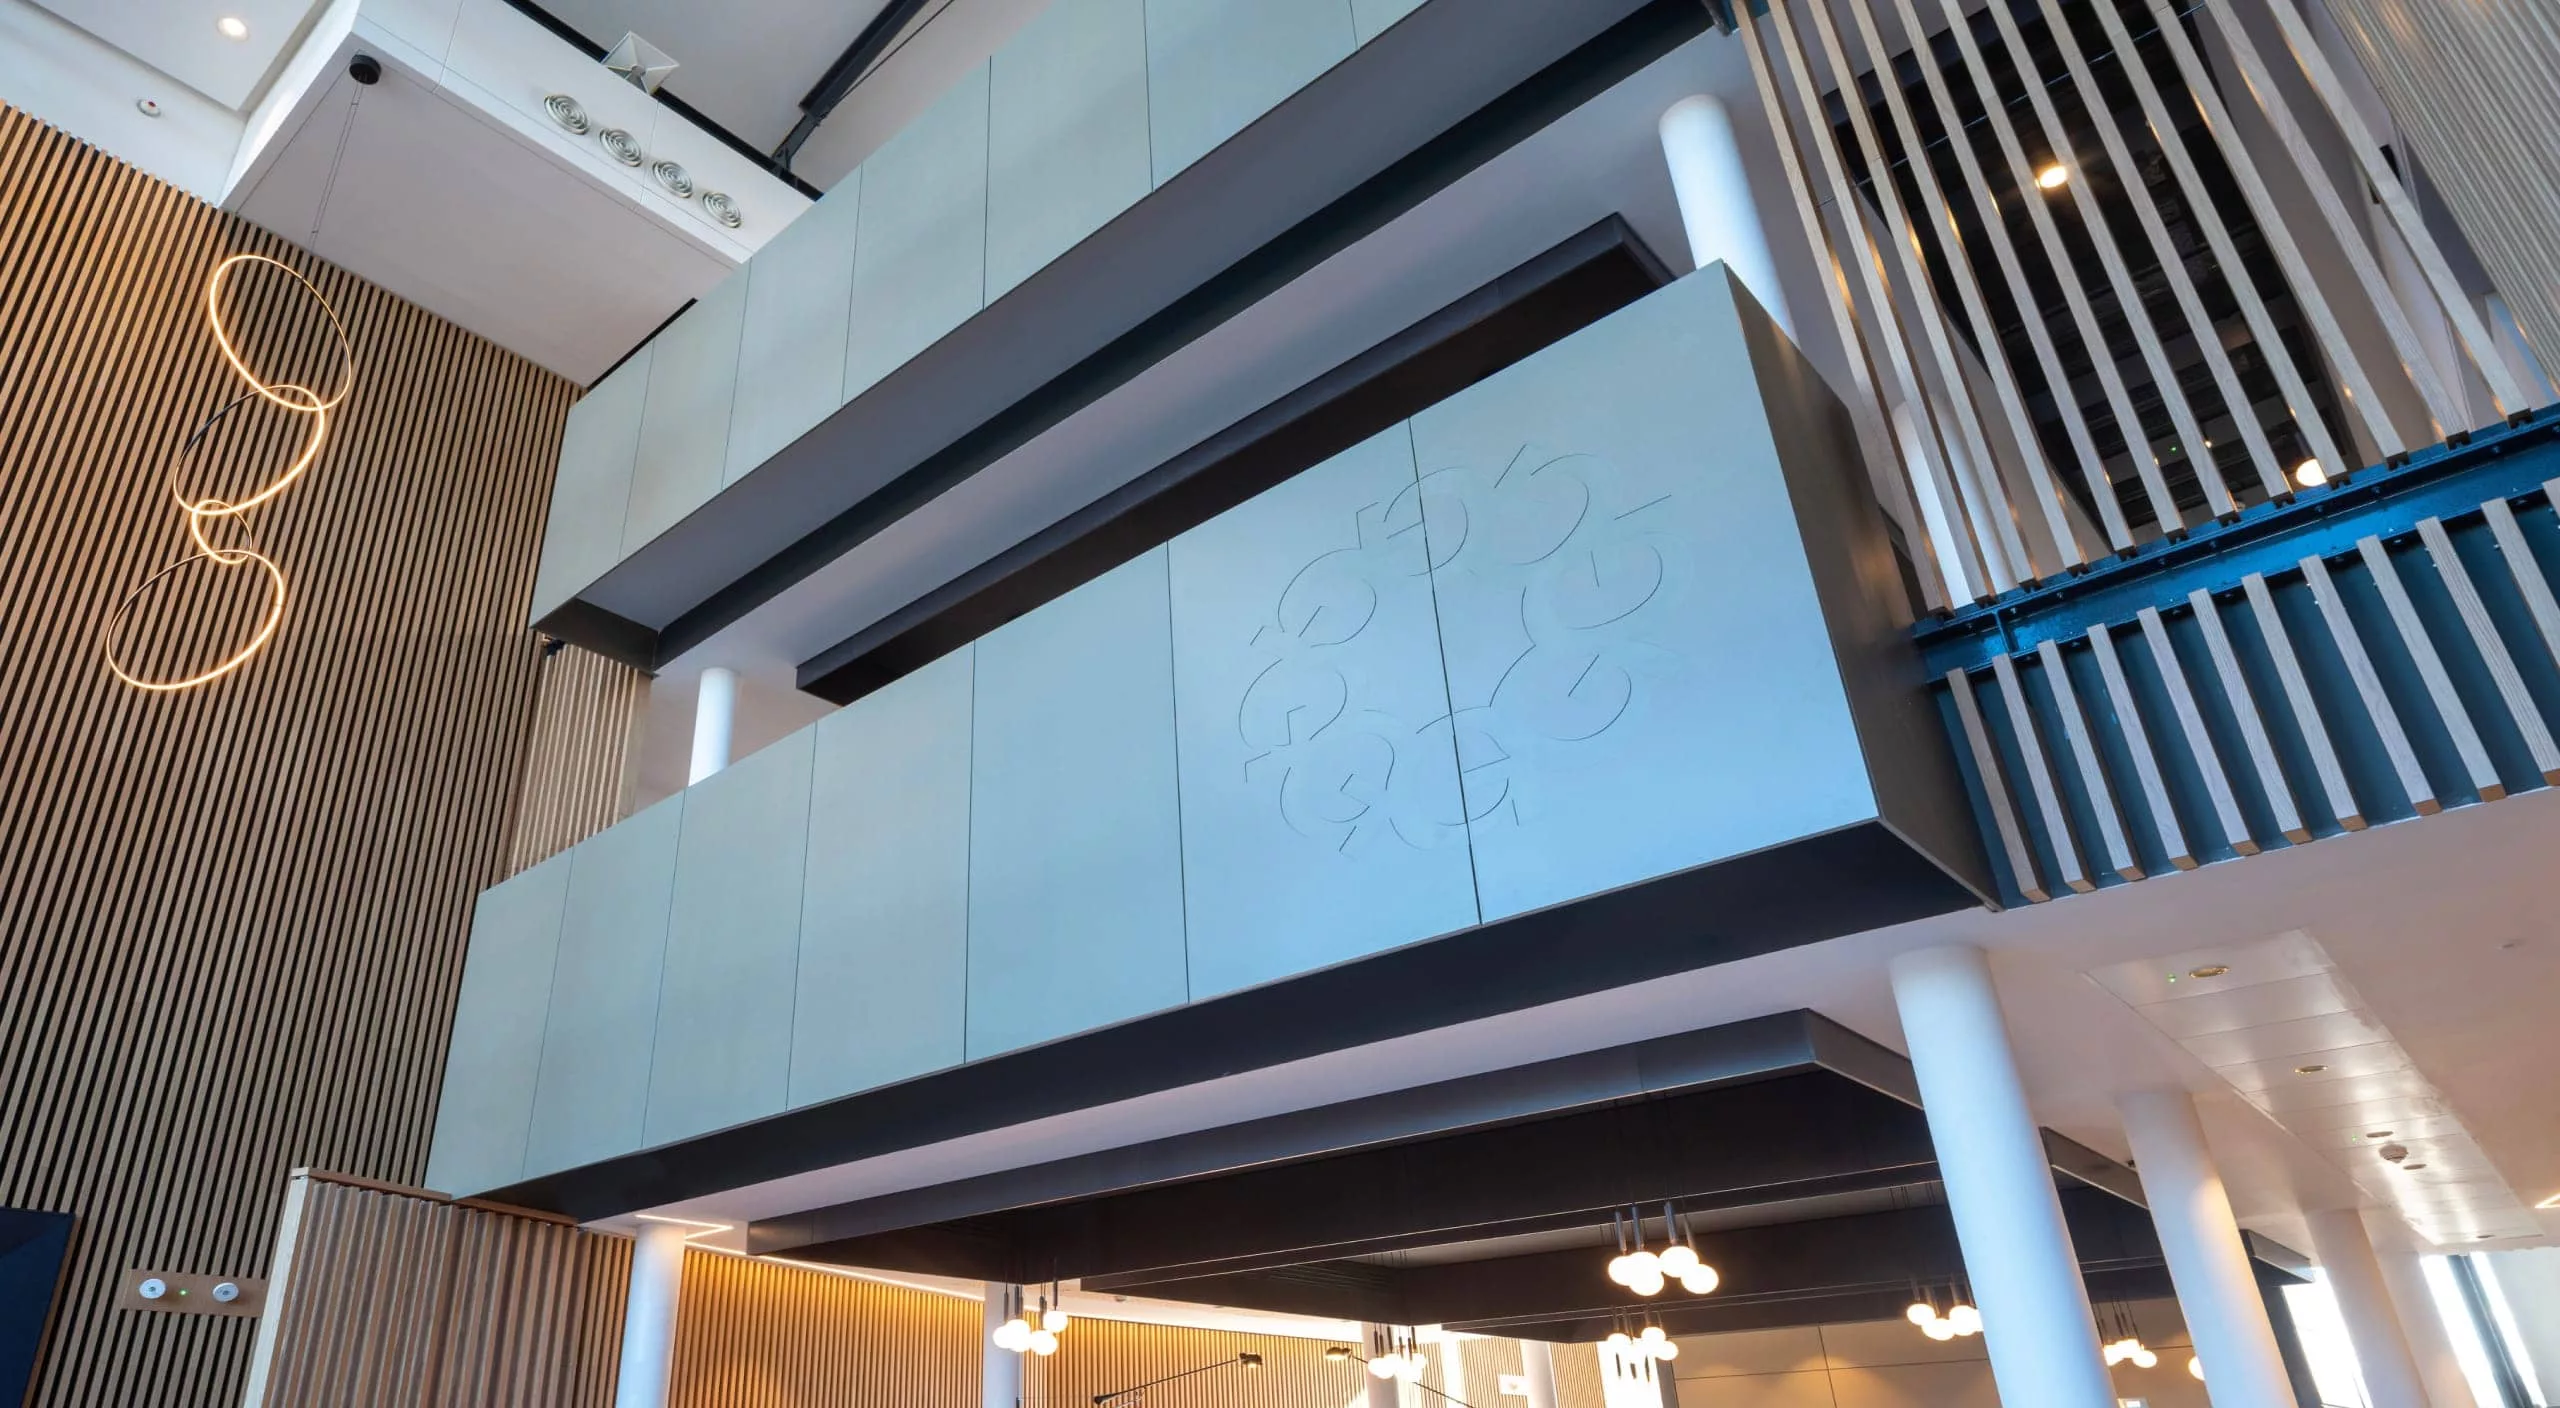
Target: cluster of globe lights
[
  {"x": 1651, "y": 1341},
  {"x": 1647, "y": 1272},
  {"x": 1960, "y": 1319},
  {"x": 1397, "y": 1364},
  {"x": 2131, "y": 1350},
  {"x": 1029, "y": 1334}
]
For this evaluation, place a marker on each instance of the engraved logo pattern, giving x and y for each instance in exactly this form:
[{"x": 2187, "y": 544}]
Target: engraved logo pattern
[{"x": 1574, "y": 563}]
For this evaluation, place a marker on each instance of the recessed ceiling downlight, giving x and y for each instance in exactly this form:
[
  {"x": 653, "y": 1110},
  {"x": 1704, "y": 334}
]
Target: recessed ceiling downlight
[
  {"x": 232, "y": 27},
  {"x": 2210, "y": 970},
  {"x": 2312, "y": 1069}
]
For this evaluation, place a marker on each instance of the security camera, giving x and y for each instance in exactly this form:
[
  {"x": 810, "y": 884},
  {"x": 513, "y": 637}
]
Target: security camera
[{"x": 365, "y": 69}]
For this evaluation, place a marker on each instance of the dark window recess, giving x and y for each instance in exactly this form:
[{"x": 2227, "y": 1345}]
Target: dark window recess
[
  {"x": 34, "y": 1246},
  {"x": 1565, "y": 289}
]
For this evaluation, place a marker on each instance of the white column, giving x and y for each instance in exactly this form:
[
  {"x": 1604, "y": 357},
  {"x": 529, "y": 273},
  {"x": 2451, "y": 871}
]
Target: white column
[
  {"x": 2422, "y": 1318},
  {"x": 715, "y": 707},
  {"x": 2208, "y": 1263},
  {"x": 2347, "y": 1262},
  {"x": 1538, "y": 1366},
  {"x": 2017, "y": 1252},
  {"x": 649, "y": 1317},
  {"x": 1716, "y": 207},
  {"x": 1382, "y": 1392},
  {"x": 1002, "y": 1372}
]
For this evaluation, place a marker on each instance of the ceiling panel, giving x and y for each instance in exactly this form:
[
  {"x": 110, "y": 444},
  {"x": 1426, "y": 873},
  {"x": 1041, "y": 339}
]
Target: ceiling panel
[
  {"x": 2301, "y": 1038},
  {"x": 2277, "y": 1022},
  {"x": 181, "y": 38},
  {"x": 745, "y": 64},
  {"x": 2205, "y": 1007},
  {"x": 2363, "y": 1070}
]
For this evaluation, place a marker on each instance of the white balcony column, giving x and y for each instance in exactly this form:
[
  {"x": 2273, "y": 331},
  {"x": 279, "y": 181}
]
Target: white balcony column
[
  {"x": 2404, "y": 1278},
  {"x": 1538, "y": 1366},
  {"x": 1716, "y": 208},
  {"x": 2354, "y": 1274},
  {"x": 715, "y": 709},
  {"x": 2208, "y": 1263},
  {"x": 2042, "y": 1339},
  {"x": 649, "y": 1316},
  {"x": 1001, "y": 1375}
]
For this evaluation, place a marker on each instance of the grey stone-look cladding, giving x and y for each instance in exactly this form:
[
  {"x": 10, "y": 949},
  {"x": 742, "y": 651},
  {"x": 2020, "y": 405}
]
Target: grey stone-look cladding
[{"x": 1593, "y": 621}]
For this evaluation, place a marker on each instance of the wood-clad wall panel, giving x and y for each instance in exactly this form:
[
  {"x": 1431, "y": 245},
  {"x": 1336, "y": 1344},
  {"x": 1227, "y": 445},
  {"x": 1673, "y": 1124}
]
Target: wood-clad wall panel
[
  {"x": 581, "y": 754},
  {"x": 1100, "y": 1356},
  {"x": 763, "y": 1334},
  {"x": 386, "y": 1297},
  {"x": 232, "y": 920},
  {"x": 395, "y": 1298}
]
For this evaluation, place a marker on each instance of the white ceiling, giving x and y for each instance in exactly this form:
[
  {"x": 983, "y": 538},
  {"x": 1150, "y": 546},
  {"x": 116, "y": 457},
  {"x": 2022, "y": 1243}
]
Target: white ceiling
[
  {"x": 417, "y": 190},
  {"x": 2441, "y": 926},
  {"x": 2278, "y": 1022},
  {"x": 178, "y": 38},
  {"x": 744, "y": 65}
]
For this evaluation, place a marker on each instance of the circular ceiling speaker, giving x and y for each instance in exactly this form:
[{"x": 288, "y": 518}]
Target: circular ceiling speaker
[
  {"x": 565, "y": 111},
  {"x": 723, "y": 209},
  {"x": 621, "y": 146},
  {"x": 677, "y": 180}
]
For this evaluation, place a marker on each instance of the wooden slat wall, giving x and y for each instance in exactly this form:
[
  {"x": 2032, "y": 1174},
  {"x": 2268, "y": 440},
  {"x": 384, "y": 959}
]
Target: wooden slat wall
[
  {"x": 1098, "y": 1356},
  {"x": 394, "y": 1298},
  {"x": 232, "y": 920},
  {"x": 2473, "y": 87},
  {"x": 762, "y": 1334},
  {"x": 384, "y": 1296},
  {"x": 579, "y": 757}
]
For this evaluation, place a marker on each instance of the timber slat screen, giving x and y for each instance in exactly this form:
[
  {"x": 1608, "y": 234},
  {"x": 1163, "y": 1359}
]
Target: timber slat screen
[{"x": 232, "y": 919}]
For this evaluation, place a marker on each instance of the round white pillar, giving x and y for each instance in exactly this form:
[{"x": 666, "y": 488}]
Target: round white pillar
[
  {"x": 2042, "y": 1340},
  {"x": 2208, "y": 1263},
  {"x": 2391, "y": 1378},
  {"x": 2422, "y": 1320},
  {"x": 1001, "y": 1374},
  {"x": 1716, "y": 208},
  {"x": 1538, "y": 1366},
  {"x": 715, "y": 709},
  {"x": 649, "y": 1316},
  {"x": 1382, "y": 1393}
]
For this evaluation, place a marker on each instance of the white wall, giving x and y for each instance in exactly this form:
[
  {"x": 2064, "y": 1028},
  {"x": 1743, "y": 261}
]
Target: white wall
[{"x": 88, "y": 88}]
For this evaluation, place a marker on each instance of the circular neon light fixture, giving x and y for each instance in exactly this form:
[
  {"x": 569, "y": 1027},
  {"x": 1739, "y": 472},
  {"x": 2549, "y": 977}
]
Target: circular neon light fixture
[{"x": 203, "y": 510}]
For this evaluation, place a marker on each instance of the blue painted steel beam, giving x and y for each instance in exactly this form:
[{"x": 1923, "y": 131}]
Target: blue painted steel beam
[{"x": 2448, "y": 481}]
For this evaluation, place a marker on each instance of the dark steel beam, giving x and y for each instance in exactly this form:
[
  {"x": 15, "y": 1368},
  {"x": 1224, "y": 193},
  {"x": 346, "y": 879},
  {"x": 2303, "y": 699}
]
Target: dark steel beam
[
  {"x": 1823, "y": 1270},
  {"x": 845, "y": 73}
]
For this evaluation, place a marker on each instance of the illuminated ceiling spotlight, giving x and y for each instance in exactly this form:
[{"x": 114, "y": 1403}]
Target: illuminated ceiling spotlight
[
  {"x": 2195, "y": 1368},
  {"x": 226, "y": 509},
  {"x": 2053, "y": 177},
  {"x": 232, "y": 27},
  {"x": 2548, "y": 1204},
  {"x": 2310, "y": 475}
]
